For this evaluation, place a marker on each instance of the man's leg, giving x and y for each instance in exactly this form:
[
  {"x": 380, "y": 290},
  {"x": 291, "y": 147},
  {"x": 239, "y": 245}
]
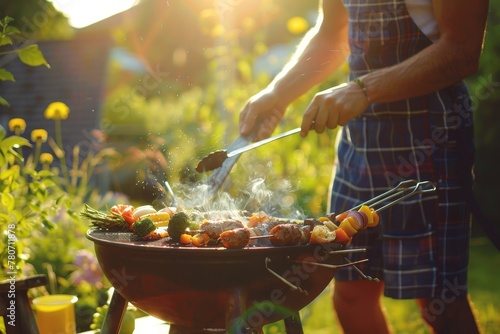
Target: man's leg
[
  {"x": 358, "y": 307},
  {"x": 454, "y": 316}
]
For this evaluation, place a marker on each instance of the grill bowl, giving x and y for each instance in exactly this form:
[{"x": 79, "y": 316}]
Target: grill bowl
[{"x": 214, "y": 287}]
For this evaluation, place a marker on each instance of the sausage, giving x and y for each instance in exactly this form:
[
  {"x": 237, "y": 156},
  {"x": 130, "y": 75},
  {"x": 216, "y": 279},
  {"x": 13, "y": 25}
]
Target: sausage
[{"x": 213, "y": 228}]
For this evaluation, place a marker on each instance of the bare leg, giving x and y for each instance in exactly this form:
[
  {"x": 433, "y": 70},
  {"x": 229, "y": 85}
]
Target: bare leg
[
  {"x": 448, "y": 315},
  {"x": 358, "y": 307}
]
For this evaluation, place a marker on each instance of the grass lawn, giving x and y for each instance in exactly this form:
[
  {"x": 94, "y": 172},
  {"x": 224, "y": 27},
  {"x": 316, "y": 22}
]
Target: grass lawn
[{"x": 484, "y": 268}]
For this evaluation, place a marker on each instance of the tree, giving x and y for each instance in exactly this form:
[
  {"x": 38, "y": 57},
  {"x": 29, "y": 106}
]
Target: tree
[{"x": 36, "y": 19}]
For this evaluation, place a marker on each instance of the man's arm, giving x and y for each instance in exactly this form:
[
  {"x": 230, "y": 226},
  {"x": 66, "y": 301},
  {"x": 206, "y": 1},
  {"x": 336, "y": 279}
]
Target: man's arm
[
  {"x": 320, "y": 53},
  {"x": 449, "y": 60}
]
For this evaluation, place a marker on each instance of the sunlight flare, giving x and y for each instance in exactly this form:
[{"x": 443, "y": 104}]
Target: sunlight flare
[{"x": 84, "y": 13}]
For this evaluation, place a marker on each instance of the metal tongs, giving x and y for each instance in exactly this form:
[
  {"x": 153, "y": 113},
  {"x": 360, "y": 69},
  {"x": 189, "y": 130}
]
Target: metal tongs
[
  {"x": 216, "y": 159},
  {"x": 395, "y": 195},
  {"x": 221, "y": 162}
]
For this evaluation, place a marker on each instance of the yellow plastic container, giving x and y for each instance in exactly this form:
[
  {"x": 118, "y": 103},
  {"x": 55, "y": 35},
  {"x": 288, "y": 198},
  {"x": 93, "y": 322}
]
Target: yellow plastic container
[{"x": 55, "y": 314}]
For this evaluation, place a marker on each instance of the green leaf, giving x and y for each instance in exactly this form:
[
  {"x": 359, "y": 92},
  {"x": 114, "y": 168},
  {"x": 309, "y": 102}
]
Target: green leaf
[
  {"x": 34, "y": 207},
  {"x": 11, "y": 173},
  {"x": 3, "y": 158},
  {"x": 12, "y": 141},
  {"x": 4, "y": 218},
  {"x": 31, "y": 55},
  {"x": 11, "y": 30},
  {"x": 5, "y": 40},
  {"x": 48, "y": 224},
  {"x": 5, "y": 21},
  {"x": 33, "y": 186},
  {"x": 6, "y": 75},
  {"x": 4, "y": 102},
  {"x": 48, "y": 183},
  {"x": 41, "y": 194},
  {"x": 8, "y": 201},
  {"x": 16, "y": 154},
  {"x": 60, "y": 199}
]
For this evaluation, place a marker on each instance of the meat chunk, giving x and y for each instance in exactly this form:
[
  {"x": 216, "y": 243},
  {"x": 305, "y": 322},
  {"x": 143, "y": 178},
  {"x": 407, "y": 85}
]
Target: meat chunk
[
  {"x": 236, "y": 238},
  {"x": 213, "y": 228},
  {"x": 285, "y": 235}
]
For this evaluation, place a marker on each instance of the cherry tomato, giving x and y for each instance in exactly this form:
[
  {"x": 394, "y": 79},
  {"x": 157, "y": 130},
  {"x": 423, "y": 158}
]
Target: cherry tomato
[{"x": 185, "y": 239}]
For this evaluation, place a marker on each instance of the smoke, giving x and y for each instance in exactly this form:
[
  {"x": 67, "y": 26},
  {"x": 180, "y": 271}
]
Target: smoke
[{"x": 275, "y": 198}]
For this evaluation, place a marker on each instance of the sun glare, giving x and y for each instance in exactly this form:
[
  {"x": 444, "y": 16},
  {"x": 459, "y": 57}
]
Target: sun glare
[{"x": 84, "y": 13}]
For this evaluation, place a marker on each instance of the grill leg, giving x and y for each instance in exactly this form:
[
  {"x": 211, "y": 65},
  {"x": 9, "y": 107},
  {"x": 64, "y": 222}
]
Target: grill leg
[
  {"x": 113, "y": 320},
  {"x": 293, "y": 325}
]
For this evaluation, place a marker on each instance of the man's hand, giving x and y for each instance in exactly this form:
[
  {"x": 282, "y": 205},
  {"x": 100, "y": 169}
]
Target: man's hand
[
  {"x": 333, "y": 107},
  {"x": 261, "y": 115}
]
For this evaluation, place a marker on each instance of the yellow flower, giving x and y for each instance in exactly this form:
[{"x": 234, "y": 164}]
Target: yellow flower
[
  {"x": 46, "y": 158},
  {"x": 56, "y": 110},
  {"x": 297, "y": 25},
  {"x": 248, "y": 24},
  {"x": 17, "y": 125},
  {"x": 210, "y": 23},
  {"x": 39, "y": 135}
]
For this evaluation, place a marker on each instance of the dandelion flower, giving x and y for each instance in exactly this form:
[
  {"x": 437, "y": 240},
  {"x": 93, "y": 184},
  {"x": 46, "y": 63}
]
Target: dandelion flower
[
  {"x": 39, "y": 135},
  {"x": 17, "y": 125},
  {"x": 46, "y": 158},
  {"x": 297, "y": 25},
  {"x": 56, "y": 110},
  {"x": 210, "y": 23}
]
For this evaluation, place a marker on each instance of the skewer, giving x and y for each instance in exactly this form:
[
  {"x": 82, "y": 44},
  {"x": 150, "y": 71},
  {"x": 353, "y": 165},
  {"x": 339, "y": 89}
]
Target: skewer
[
  {"x": 410, "y": 187},
  {"x": 402, "y": 191},
  {"x": 264, "y": 236}
]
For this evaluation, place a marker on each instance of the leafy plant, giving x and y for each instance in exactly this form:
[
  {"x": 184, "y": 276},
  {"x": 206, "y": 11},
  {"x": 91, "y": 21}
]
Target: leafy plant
[
  {"x": 41, "y": 199},
  {"x": 28, "y": 54}
]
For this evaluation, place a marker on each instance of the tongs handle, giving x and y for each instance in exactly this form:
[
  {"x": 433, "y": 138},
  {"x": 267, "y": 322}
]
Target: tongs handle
[
  {"x": 402, "y": 191},
  {"x": 262, "y": 142}
]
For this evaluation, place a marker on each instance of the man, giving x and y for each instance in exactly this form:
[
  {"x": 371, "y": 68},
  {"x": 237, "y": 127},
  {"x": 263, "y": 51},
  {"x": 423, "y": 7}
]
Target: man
[{"x": 405, "y": 115}]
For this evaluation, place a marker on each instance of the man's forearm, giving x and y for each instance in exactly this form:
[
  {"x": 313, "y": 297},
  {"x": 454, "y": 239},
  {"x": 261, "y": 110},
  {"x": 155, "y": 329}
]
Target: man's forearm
[
  {"x": 434, "y": 68},
  {"x": 319, "y": 54},
  {"x": 451, "y": 59}
]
